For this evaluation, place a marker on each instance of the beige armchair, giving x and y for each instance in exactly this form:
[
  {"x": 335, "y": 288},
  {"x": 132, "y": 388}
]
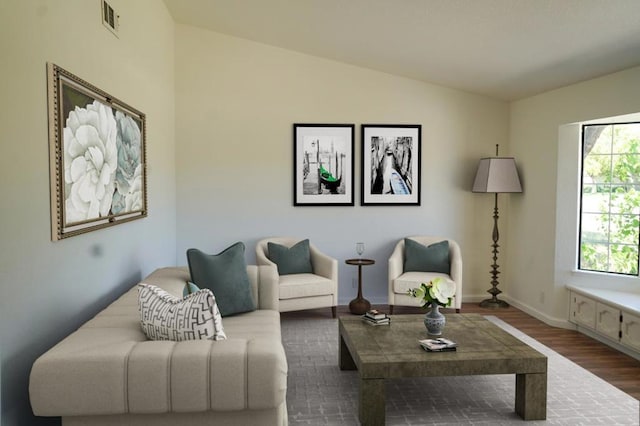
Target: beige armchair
[
  {"x": 400, "y": 282},
  {"x": 299, "y": 291}
]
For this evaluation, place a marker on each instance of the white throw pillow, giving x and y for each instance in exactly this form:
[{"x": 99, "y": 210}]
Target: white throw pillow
[{"x": 166, "y": 317}]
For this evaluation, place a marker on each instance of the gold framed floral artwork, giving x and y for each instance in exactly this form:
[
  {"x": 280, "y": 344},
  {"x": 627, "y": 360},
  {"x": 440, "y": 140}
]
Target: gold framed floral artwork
[{"x": 97, "y": 157}]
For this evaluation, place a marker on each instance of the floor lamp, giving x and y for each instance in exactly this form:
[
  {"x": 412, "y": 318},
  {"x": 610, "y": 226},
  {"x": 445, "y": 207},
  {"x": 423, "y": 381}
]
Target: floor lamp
[{"x": 496, "y": 175}]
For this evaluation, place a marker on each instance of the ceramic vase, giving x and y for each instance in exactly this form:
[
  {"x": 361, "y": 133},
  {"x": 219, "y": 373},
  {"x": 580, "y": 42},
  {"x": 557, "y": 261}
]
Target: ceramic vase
[{"x": 434, "y": 320}]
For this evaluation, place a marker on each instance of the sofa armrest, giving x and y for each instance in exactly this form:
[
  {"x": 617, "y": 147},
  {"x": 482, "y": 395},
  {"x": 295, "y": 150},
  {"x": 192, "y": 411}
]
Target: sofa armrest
[{"x": 268, "y": 285}]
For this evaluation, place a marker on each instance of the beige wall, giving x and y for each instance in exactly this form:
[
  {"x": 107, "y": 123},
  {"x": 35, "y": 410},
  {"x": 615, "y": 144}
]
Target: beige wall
[
  {"x": 538, "y": 281},
  {"x": 49, "y": 288},
  {"x": 236, "y": 102}
]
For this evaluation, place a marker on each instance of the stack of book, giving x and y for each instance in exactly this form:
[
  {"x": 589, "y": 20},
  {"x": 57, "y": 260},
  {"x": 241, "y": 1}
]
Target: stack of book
[
  {"x": 438, "y": 345},
  {"x": 375, "y": 317}
]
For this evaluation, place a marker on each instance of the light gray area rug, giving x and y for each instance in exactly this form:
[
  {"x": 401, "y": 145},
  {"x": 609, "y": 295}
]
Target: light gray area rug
[{"x": 319, "y": 393}]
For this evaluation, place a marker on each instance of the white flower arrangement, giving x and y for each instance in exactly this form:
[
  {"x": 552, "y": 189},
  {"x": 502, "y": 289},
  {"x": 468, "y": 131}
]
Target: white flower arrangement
[{"x": 439, "y": 291}]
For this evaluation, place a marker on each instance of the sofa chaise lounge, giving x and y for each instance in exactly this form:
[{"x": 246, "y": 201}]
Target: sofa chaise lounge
[{"x": 108, "y": 373}]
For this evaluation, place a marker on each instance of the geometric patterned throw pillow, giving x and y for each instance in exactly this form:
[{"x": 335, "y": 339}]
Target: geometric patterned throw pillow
[{"x": 165, "y": 317}]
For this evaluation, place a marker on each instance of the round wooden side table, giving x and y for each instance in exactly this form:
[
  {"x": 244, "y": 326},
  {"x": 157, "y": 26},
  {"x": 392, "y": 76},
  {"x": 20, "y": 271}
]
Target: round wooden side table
[{"x": 359, "y": 305}]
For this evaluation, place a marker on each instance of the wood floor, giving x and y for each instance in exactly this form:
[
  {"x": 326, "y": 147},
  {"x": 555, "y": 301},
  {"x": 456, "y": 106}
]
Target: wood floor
[{"x": 620, "y": 370}]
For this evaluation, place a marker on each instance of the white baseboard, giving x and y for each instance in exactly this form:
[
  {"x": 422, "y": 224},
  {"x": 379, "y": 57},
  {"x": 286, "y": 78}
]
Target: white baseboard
[
  {"x": 549, "y": 320},
  {"x": 554, "y": 322}
]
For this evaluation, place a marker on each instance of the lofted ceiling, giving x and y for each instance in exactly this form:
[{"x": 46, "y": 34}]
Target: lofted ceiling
[{"x": 506, "y": 49}]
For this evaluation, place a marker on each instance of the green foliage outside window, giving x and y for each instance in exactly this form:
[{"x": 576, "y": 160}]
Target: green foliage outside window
[{"x": 610, "y": 223}]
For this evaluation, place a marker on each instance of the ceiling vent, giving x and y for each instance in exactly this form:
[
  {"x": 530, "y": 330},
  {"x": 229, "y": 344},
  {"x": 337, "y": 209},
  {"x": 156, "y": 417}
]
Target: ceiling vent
[{"x": 109, "y": 18}]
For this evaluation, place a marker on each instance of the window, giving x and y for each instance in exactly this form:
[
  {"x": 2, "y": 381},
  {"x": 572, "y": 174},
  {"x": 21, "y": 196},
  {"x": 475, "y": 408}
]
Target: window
[{"x": 610, "y": 198}]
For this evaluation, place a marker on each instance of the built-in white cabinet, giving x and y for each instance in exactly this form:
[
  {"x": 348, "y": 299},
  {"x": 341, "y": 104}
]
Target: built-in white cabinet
[
  {"x": 583, "y": 310},
  {"x": 630, "y": 328},
  {"x": 607, "y": 320}
]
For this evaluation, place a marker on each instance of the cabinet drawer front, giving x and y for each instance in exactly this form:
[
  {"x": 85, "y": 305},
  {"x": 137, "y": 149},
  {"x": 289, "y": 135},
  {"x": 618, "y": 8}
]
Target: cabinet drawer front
[
  {"x": 583, "y": 310},
  {"x": 630, "y": 330},
  {"x": 608, "y": 321}
]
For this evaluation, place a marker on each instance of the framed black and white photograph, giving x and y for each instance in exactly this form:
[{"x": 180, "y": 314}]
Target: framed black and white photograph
[
  {"x": 391, "y": 164},
  {"x": 323, "y": 164}
]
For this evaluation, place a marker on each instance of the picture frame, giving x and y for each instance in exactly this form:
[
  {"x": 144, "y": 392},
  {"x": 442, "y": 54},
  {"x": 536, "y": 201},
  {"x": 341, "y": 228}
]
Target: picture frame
[
  {"x": 323, "y": 162},
  {"x": 391, "y": 160},
  {"x": 97, "y": 152}
]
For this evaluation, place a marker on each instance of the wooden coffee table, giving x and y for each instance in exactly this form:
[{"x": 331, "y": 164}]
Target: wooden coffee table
[{"x": 384, "y": 352}]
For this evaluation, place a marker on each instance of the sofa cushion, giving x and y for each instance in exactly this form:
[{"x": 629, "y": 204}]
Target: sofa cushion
[
  {"x": 165, "y": 317},
  {"x": 291, "y": 260},
  {"x": 431, "y": 258},
  {"x": 226, "y": 275},
  {"x": 411, "y": 280},
  {"x": 304, "y": 285},
  {"x": 85, "y": 373}
]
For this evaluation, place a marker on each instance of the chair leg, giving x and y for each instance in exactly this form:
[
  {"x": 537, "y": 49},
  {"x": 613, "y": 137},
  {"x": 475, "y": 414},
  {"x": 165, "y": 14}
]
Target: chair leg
[
  {"x": 390, "y": 309},
  {"x": 333, "y": 311}
]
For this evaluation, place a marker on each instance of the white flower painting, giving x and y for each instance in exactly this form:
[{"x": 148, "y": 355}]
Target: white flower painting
[
  {"x": 99, "y": 157},
  {"x": 90, "y": 162},
  {"x": 102, "y": 167},
  {"x": 128, "y": 194}
]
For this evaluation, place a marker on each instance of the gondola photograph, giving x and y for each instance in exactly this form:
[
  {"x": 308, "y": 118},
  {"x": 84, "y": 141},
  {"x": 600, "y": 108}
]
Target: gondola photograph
[{"x": 323, "y": 164}]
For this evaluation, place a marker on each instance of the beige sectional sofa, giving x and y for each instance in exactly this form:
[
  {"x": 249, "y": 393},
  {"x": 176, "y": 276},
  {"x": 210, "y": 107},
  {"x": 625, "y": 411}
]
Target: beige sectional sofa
[{"x": 108, "y": 373}]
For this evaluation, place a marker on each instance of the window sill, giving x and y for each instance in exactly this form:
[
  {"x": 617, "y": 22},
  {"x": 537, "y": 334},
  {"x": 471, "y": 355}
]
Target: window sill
[{"x": 603, "y": 280}]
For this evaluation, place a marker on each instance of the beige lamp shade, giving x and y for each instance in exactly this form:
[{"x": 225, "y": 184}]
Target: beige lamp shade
[{"x": 497, "y": 174}]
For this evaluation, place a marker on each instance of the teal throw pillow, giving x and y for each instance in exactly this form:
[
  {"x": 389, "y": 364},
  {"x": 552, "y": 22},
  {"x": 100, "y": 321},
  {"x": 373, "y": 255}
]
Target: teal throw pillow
[
  {"x": 189, "y": 288},
  {"x": 225, "y": 274},
  {"x": 291, "y": 260},
  {"x": 431, "y": 258}
]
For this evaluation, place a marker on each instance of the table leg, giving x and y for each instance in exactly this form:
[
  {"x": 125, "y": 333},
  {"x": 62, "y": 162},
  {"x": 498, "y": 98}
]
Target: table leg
[
  {"x": 372, "y": 402},
  {"x": 531, "y": 396},
  {"x": 359, "y": 305},
  {"x": 345, "y": 360}
]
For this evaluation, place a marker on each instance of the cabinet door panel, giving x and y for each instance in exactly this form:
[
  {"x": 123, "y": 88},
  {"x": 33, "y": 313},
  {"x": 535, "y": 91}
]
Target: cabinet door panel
[
  {"x": 583, "y": 310},
  {"x": 608, "y": 321},
  {"x": 631, "y": 330}
]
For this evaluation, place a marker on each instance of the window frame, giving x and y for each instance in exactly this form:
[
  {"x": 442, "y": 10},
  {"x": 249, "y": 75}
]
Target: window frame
[{"x": 581, "y": 213}]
